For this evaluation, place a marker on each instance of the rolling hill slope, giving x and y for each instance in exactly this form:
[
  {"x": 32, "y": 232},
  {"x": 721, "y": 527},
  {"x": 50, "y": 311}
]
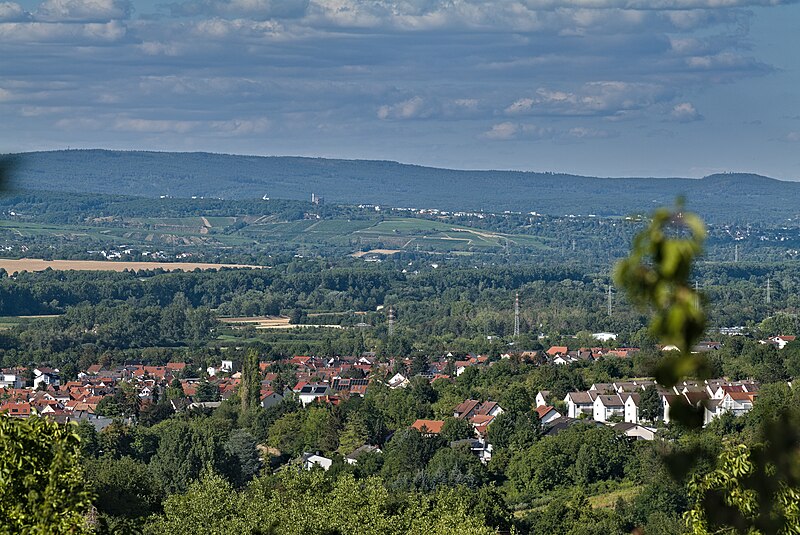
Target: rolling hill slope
[{"x": 720, "y": 198}]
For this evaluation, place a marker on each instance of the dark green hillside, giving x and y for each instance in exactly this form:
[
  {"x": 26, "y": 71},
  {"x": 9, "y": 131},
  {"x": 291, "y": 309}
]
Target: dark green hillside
[{"x": 719, "y": 198}]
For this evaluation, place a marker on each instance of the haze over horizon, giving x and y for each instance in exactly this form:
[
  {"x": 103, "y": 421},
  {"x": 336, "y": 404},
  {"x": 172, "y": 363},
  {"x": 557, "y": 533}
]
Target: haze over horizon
[{"x": 608, "y": 88}]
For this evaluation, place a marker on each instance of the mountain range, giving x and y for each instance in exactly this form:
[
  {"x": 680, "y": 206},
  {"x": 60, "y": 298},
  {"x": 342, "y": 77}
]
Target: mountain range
[{"x": 734, "y": 197}]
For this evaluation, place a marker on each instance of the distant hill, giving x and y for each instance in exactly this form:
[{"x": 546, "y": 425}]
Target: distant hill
[{"x": 721, "y": 198}]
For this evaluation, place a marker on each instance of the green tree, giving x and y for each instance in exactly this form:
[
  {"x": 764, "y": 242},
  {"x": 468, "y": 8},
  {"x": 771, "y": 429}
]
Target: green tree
[
  {"x": 286, "y": 434},
  {"x": 206, "y": 391},
  {"x": 456, "y": 429},
  {"x": 250, "y": 387},
  {"x": 354, "y": 435},
  {"x": 124, "y": 487},
  {"x": 241, "y": 446},
  {"x": 650, "y": 409},
  {"x": 42, "y": 488}
]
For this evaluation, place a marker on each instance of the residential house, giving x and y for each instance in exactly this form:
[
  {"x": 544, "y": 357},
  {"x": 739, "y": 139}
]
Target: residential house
[
  {"x": 636, "y": 431},
  {"x": 738, "y": 403},
  {"x": 579, "y": 403},
  {"x": 46, "y": 377},
  {"x": 781, "y": 341},
  {"x": 398, "y": 381},
  {"x": 11, "y": 380},
  {"x": 310, "y": 392},
  {"x": 606, "y": 407},
  {"x": 547, "y": 414},
  {"x": 542, "y": 398},
  {"x": 428, "y": 427},
  {"x": 353, "y": 457},
  {"x": 270, "y": 398},
  {"x": 313, "y": 460}
]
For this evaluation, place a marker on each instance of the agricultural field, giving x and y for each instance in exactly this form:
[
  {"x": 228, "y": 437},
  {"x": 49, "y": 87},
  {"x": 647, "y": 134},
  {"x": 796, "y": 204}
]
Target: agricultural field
[
  {"x": 270, "y": 322},
  {"x": 215, "y": 234}
]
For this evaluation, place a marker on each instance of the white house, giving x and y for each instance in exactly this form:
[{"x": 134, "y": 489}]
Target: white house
[
  {"x": 361, "y": 450},
  {"x": 309, "y": 392},
  {"x": 46, "y": 377},
  {"x": 312, "y": 460},
  {"x": 737, "y": 402},
  {"x": 580, "y": 403},
  {"x": 542, "y": 397},
  {"x": 636, "y": 431},
  {"x": 781, "y": 341},
  {"x": 631, "y": 407},
  {"x": 547, "y": 414},
  {"x": 398, "y": 381},
  {"x": 604, "y": 337},
  {"x": 11, "y": 380},
  {"x": 608, "y": 406}
]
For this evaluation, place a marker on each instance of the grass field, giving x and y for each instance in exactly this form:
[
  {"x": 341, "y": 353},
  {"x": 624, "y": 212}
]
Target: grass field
[{"x": 35, "y": 264}]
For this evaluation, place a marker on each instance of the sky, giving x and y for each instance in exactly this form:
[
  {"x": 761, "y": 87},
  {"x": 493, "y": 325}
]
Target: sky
[{"x": 593, "y": 87}]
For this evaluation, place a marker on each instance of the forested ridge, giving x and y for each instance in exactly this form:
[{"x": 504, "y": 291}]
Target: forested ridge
[{"x": 730, "y": 197}]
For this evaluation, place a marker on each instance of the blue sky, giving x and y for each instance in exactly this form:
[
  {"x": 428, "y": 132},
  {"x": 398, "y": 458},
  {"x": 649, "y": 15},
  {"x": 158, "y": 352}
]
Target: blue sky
[{"x": 596, "y": 87}]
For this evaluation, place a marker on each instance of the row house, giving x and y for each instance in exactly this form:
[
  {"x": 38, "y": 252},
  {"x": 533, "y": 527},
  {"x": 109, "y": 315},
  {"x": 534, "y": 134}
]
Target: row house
[
  {"x": 471, "y": 407},
  {"x": 624, "y": 406}
]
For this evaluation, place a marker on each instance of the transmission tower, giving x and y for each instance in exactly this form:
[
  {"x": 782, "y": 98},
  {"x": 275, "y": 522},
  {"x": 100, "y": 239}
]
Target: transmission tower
[
  {"x": 736, "y": 254},
  {"x": 391, "y": 320},
  {"x": 769, "y": 296},
  {"x": 516, "y": 316},
  {"x": 609, "y": 300}
]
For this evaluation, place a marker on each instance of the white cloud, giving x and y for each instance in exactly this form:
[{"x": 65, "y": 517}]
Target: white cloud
[
  {"x": 412, "y": 108},
  {"x": 159, "y": 126},
  {"x": 5, "y": 94},
  {"x": 685, "y": 112},
  {"x": 603, "y": 98},
  {"x": 257, "y": 9},
  {"x": 12, "y": 12},
  {"x": 505, "y": 130},
  {"x": 241, "y": 127},
  {"x": 520, "y": 106},
  {"x": 510, "y": 130},
  {"x": 83, "y": 10},
  {"x": 793, "y": 137},
  {"x": 581, "y": 132},
  {"x": 45, "y": 32}
]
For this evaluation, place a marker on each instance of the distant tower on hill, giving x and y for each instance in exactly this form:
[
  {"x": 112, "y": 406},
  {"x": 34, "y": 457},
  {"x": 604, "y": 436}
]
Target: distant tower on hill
[
  {"x": 391, "y": 320},
  {"x": 516, "y": 316}
]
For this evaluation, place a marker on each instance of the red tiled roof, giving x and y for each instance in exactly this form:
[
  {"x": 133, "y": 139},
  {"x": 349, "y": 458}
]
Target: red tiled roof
[
  {"x": 430, "y": 426},
  {"x": 542, "y": 410},
  {"x": 553, "y": 351}
]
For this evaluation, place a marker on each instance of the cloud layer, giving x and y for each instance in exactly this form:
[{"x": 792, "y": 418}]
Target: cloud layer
[{"x": 407, "y": 79}]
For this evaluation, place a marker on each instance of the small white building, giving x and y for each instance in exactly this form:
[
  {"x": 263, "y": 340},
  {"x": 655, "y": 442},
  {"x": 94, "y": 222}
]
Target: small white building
[
  {"x": 312, "y": 460},
  {"x": 604, "y": 337}
]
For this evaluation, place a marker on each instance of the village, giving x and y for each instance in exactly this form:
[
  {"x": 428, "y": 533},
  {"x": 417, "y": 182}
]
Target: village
[{"x": 635, "y": 408}]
